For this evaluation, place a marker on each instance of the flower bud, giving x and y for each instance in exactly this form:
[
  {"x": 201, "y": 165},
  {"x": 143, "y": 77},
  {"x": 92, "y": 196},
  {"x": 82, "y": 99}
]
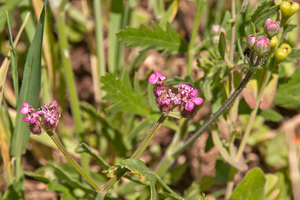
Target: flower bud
[
  {"x": 288, "y": 9},
  {"x": 282, "y": 52},
  {"x": 215, "y": 30},
  {"x": 251, "y": 41},
  {"x": 274, "y": 42},
  {"x": 215, "y": 39},
  {"x": 271, "y": 27},
  {"x": 262, "y": 45}
]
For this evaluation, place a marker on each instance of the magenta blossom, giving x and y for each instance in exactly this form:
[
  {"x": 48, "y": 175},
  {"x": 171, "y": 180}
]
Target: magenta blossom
[
  {"x": 189, "y": 96},
  {"x": 26, "y": 108},
  {"x": 46, "y": 118},
  {"x": 156, "y": 77}
]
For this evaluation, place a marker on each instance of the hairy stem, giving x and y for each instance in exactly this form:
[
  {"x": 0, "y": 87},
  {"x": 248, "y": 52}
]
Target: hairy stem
[
  {"x": 55, "y": 139},
  {"x": 226, "y": 105}
]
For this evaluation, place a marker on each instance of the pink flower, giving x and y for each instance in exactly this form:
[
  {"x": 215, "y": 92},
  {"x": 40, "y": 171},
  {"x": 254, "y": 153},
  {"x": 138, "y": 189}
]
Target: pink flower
[
  {"x": 271, "y": 27},
  {"x": 192, "y": 99},
  {"x": 262, "y": 45},
  {"x": 156, "y": 77},
  {"x": 31, "y": 118},
  {"x": 26, "y": 108},
  {"x": 45, "y": 118}
]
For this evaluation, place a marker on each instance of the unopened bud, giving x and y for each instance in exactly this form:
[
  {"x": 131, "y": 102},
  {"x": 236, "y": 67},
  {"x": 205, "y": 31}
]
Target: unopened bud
[
  {"x": 251, "y": 41},
  {"x": 215, "y": 30},
  {"x": 271, "y": 27},
  {"x": 274, "y": 42},
  {"x": 262, "y": 45}
]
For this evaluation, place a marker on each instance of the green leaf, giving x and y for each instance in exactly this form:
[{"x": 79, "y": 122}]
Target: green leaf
[
  {"x": 136, "y": 166},
  {"x": 225, "y": 154},
  {"x": 122, "y": 93},
  {"x": 68, "y": 196},
  {"x": 252, "y": 186},
  {"x": 250, "y": 29},
  {"x": 178, "y": 80},
  {"x": 268, "y": 13},
  {"x": 14, "y": 191},
  {"x": 222, "y": 45},
  {"x": 271, "y": 115},
  {"x": 37, "y": 177},
  {"x": 31, "y": 87},
  {"x": 158, "y": 39},
  {"x": 271, "y": 180},
  {"x": 170, "y": 14},
  {"x": 260, "y": 9},
  {"x": 52, "y": 186},
  {"x": 13, "y": 58},
  {"x": 295, "y": 54},
  {"x": 288, "y": 94},
  {"x": 66, "y": 179},
  {"x": 84, "y": 148},
  {"x": 9, "y": 6}
]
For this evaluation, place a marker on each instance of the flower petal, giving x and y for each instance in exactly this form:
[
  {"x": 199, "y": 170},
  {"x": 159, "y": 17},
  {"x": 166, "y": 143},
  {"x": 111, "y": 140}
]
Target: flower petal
[
  {"x": 32, "y": 121},
  {"x": 194, "y": 93},
  {"x": 189, "y": 106},
  {"x": 197, "y": 100},
  {"x": 153, "y": 78},
  {"x": 24, "y": 110},
  {"x": 26, "y": 119},
  {"x": 160, "y": 75}
]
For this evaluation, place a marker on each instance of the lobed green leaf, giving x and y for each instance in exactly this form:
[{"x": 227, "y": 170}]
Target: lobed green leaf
[
  {"x": 158, "y": 39},
  {"x": 120, "y": 91}
]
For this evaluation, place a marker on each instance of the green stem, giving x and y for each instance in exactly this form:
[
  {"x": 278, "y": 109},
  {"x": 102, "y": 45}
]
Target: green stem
[
  {"x": 225, "y": 106},
  {"x": 55, "y": 139},
  {"x": 136, "y": 154},
  {"x": 191, "y": 52},
  {"x": 230, "y": 184},
  {"x": 266, "y": 76},
  {"x": 63, "y": 43},
  {"x": 99, "y": 38}
]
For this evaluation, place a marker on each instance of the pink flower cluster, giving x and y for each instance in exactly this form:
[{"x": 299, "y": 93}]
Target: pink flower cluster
[
  {"x": 185, "y": 97},
  {"x": 45, "y": 118}
]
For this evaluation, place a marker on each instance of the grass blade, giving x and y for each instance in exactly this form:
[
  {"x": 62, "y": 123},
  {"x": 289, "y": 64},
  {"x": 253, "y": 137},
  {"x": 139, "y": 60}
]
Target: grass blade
[{"x": 30, "y": 91}]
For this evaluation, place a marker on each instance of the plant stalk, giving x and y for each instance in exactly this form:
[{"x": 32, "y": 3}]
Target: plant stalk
[
  {"x": 136, "y": 154},
  {"x": 55, "y": 139},
  {"x": 230, "y": 184},
  {"x": 266, "y": 76},
  {"x": 69, "y": 76},
  {"x": 184, "y": 145},
  {"x": 191, "y": 52}
]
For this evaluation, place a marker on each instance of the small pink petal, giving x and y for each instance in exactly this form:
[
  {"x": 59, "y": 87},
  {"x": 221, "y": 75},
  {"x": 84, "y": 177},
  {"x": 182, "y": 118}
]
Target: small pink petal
[
  {"x": 24, "y": 110},
  {"x": 32, "y": 121},
  {"x": 197, "y": 100},
  {"x": 52, "y": 121},
  {"x": 189, "y": 106},
  {"x": 194, "y": 93},
  {"x": 26, "y": 119},
  {"x": 153, "y": 78},
  {"x": 25, "y": 104},
  {"x": 160, "y": 75},
  {"x": 163, "y": 100}
]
